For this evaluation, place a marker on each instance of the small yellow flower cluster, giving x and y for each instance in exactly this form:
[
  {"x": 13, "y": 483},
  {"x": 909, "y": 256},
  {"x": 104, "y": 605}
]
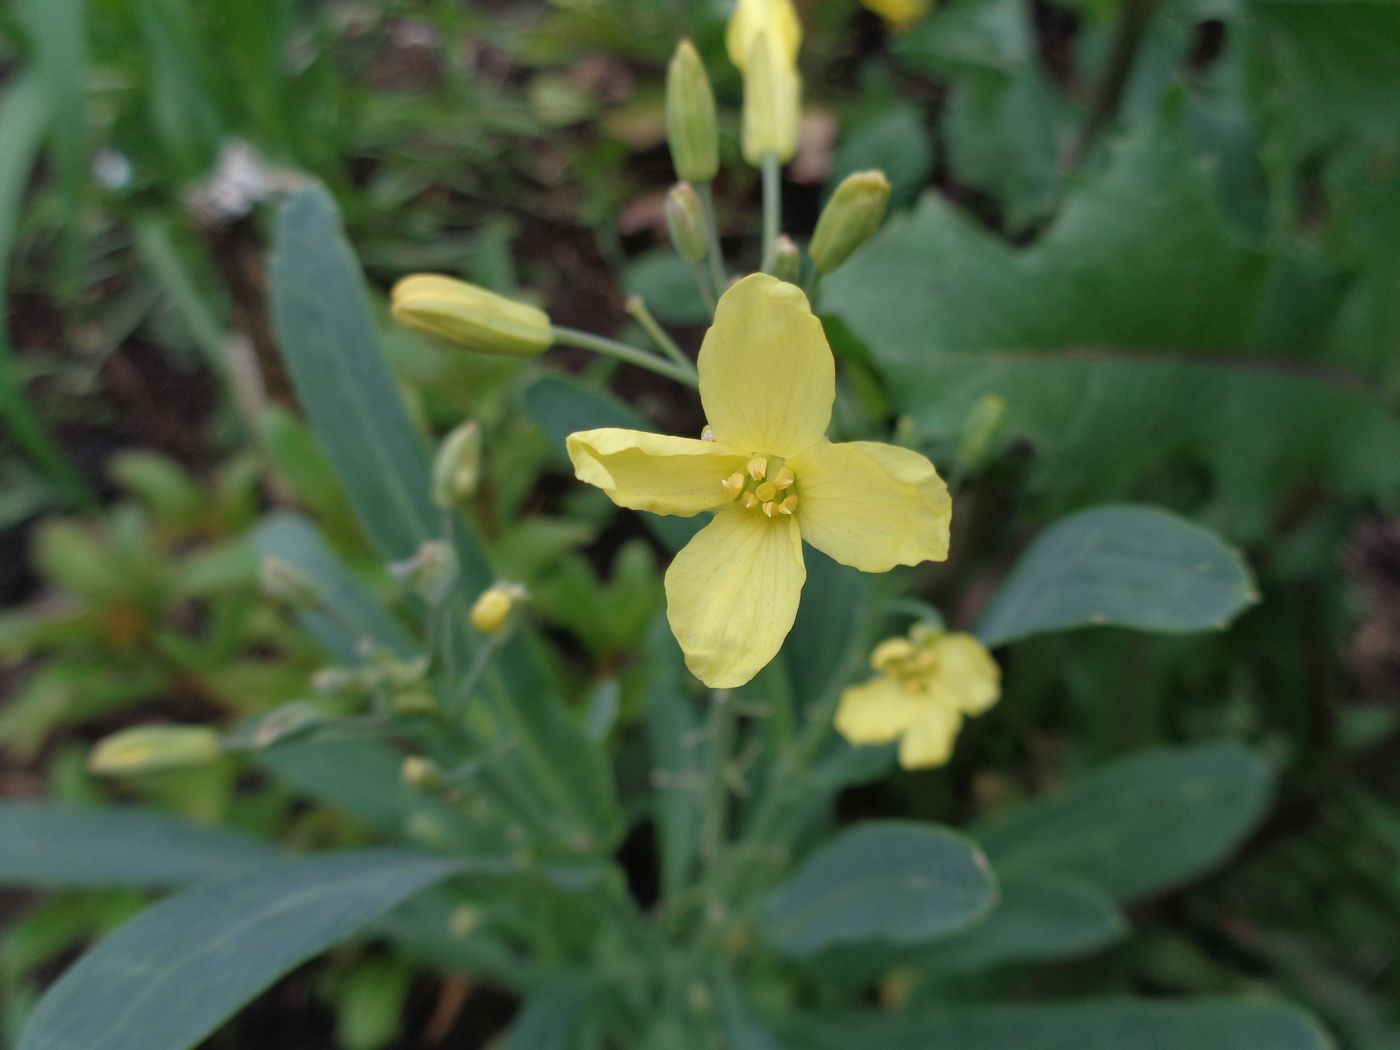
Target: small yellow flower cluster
[{"x": 927, "y": 683}]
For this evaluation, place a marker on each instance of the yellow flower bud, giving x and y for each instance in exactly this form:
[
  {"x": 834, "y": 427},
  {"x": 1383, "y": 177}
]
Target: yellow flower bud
[
  {"x": 457, "y": 467},
  {"x": 686, "y": 222},
  {"x": 772, "y": 103},
  {"x": 151, "y": 749},
  {"x": 492, "y": 610},
  {"x": 849, "y": 219},
  {"x": 690, "y": 116},
  {"x": 469, "y": 316},
  {"x": 775, "y": 18},
  {"x": 899, "y": 14},
  {"x": 787, "y": 260}
]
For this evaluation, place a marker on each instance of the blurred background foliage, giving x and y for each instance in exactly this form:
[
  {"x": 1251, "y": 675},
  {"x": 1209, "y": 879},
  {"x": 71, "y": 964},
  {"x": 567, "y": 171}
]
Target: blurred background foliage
[{"x": 1142, "y": 251}]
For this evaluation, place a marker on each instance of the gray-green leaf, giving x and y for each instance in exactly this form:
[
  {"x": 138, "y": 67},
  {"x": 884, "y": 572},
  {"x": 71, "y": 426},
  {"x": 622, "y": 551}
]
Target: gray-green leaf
[{"x": 1123, "y": 566}]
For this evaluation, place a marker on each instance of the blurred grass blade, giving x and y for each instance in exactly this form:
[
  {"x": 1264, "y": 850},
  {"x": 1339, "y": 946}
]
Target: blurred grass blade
[
  {"x": 1139, "y": 825},
  {"x": 1108, "y": 1024},
  {"x": 1120, "y": 566},
  {"x": 50, "y": 844},
  {"x": 170, "y": 976},
  {"x": 24, "y": 115},
  {"x": 155, "y": 240}
]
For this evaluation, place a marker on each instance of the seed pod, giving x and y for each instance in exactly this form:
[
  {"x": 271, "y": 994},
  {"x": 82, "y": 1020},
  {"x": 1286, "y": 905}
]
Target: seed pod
[
  {"x": 691, "y": 129},
  {"x": 849, "y": 219},
  {"x": 469, "y": 316}
]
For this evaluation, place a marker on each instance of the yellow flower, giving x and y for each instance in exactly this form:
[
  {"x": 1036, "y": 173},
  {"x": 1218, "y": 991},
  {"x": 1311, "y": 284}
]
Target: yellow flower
[
  {"x": 899, "y": 14},
  {"x": 767, "y": 383},
  {"x": 927, "y": 683},
  {"x": 763, "y": 38}
]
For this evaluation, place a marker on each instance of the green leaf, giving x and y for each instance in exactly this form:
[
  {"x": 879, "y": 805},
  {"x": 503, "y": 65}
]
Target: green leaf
[
  {"x": 327, "y": 333},
  {"x": 667, "y": 284},
  {"x": 1121, "y": 566},
  {"x": 1035, "y": 920},
  {"x": 51, "y": 844},
  {"x": 167, "y": 978},
  {"x": 358, "y": 612},
  {"x": 1107, "y": 1024},
  {"x": 1139, "y": 825},
  {"x": 671, "y": 725},
  {"x": 887, "y": 881},
  {"x": 894, "y": 140},
  {"x": 557, "y": 1021}
]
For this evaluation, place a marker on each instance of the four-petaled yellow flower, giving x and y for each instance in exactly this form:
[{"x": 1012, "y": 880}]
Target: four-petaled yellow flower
[
  {"x": 767, "y": 384},
  {"x": 927, "y": 683}
]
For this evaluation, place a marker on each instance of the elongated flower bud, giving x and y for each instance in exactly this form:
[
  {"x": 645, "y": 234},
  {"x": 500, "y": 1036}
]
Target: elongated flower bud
[
  {"x": 849, "y": 219},
  {"x": 691, "y": 129},
  {"x": 776, "y": 18},
  {"x": 469, "y": 316},
  {"x": 686, "y": 222},
  {"x": 787, "y": 260},
  {"x": 772, "y": 102},
  {"x": 457, "y": 466},
  {"x": 152, "y": 749}
]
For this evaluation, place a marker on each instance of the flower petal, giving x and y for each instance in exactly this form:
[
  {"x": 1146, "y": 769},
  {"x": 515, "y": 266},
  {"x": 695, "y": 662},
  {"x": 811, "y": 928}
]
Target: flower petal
[
  {"x": 874, "y": 712},
  {"x": 732, "y": 593},
  {"x": 929, "y": 739},
  {"x": 767, "y": 377},
  {"x": 778, "y": 18},
  {"x": 871, "y": 505},
  {"x": 665, "y": 475},
  {"x": 967, "y": 678}
]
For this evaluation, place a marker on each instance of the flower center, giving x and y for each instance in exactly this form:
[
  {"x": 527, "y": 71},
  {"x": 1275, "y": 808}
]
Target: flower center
[
  {"x": 765, "y": 485},
  {"x": 909, "y": 664}
]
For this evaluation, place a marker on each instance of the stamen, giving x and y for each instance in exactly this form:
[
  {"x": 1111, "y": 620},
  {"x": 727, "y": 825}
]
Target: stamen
[
  {"x": 769, "y": 508},
  {"x": 758, "y": 468},
  {"x": 766, "y": 491},
  {"x": 708, "y": 434},
  {"x": 789, "y": 504},
  {"x": 750, "y": 501},
  {"x": 784, "y": 478},
  {"x": 734, "y": 484}
]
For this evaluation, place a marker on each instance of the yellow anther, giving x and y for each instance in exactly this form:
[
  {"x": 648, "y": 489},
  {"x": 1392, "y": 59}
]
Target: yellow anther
[
  {"x": 758, "y": 468},
  {"x": 789, "y": 504},
  {"x": 750, "y": 501},
  {"x": 770, "y": 508},
  {"x": 707, "y": 434},
  {"x": 784, "y": 478},
  {"x": 766, "y": 491},
  {"x": 734, "y": 484},
  {"x": 892, "y": 652}
]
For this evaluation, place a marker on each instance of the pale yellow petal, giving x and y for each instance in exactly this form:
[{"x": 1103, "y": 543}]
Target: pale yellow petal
[
  {"x": 777, "y": 18},
  {"x": 929, "y": 739},
  {"x": 665, "y": 475},
  {"x": 874, "y": 712},
  {"x": 732, "y": 593},
  {"x": 767, "y": 377},
  {"x": 772, "y": 104},
  {"x": 871, "y": 505},
  {"x": 967, "y": 678}
]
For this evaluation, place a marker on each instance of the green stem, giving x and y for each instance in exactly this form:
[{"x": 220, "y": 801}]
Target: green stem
[
  {"x": 772, "y": 205},
  {"x": 1128, "y": 36},
  {"x": 637, "y": 310},
  {"x": 630, "y": 354},
  {"x": 702, "y": 282},
  {"x": 718, "y": 273},
  {"x": 720, "y": 734}
]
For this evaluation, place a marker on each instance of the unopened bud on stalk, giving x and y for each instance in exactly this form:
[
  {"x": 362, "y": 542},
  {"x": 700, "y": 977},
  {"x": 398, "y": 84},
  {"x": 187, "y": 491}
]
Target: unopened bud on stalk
[
  {"x": 686, "y": 221},
  {"x": 457, "y": 468},
  {"x": 469, "y": 316},
  {"x": 153, "y": 749},
  {"x": 492, "y": 610},
  {"x": 432, "y": 571},
  {"x": 772, "y": 103},
  {"x": 849, "y": 219},
  {"x": 787, "y": 260},
  {"x": 284, "y": 582},
  {"x": 690, "y": 116},
  {"x": 422, "y": 773},
  {"x": 980, "y": 429}
]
